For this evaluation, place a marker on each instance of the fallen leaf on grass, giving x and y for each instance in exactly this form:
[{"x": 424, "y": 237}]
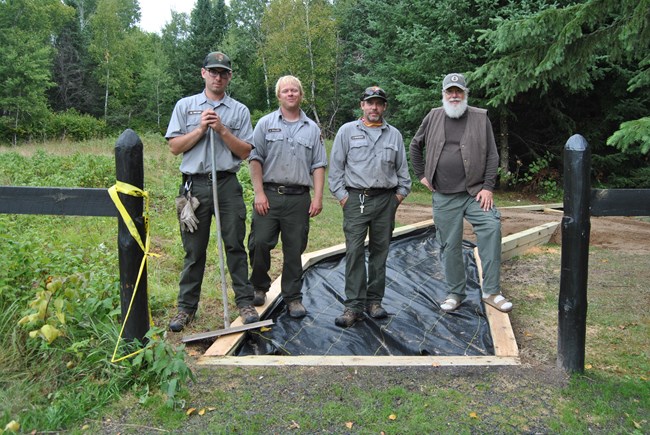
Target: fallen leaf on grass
[
  {"x": 349, "y": 425},
  {"x": 588, "y": 366},
  {"x": 12, "y": 426},
  {"x": 473, "y": 415},
  {"x": 294, "y": 425},
  {"x": 190, "y": 411},
  {"x": 202, "y": 411},
  {"x": 637, "y": 425},
  {"x": 392, "y": 417}
]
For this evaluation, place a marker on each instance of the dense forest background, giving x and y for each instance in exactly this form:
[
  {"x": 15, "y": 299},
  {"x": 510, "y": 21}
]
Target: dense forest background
[{"x": 77, "y": 69}]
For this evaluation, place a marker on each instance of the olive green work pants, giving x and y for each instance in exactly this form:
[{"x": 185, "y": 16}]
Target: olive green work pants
[
  {"x": 288, "y": 217},
  {"x": 377, "y": 221},
  {"x": 232, "y": 212}
]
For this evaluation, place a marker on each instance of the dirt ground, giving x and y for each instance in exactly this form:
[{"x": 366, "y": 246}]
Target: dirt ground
[{"x": 619, "y": 233}]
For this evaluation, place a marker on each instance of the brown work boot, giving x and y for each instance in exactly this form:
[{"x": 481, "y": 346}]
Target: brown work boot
[
  {"x": 249, "y": 314},
  {"x": 348, "y": 318},
  {"x": 296, "y": 309},
  {"x": 260, "y": 298},
  {"x": 180, "y": 320},
  {"x": 376, "y": 311}
]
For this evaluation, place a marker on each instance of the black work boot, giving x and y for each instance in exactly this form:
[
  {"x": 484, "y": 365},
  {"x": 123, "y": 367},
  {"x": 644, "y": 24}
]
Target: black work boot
[
  {"x": 180, "y": 320},
  {"x": 296, "y": 309},
  {"x": 376, "y": 311},
  {"x": 348, "y": 318},
  {"x": 260, "y": 298},
  {"x": 249, "y": 314}
]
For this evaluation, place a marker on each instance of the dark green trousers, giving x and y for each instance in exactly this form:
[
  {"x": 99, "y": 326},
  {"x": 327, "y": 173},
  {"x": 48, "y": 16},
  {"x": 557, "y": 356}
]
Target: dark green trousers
[
  {"x": 377, "y": 221},
  {"x": 232, "y": 211},
  {"x": 288, "y": 216}
]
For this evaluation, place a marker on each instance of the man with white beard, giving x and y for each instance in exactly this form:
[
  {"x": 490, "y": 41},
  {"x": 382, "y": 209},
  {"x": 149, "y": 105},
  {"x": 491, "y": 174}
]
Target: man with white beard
[{"x": 461, "y": 169}]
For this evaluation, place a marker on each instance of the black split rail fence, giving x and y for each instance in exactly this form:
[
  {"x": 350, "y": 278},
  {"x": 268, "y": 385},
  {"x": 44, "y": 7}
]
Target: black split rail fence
[{"x": 129, "y": 168}]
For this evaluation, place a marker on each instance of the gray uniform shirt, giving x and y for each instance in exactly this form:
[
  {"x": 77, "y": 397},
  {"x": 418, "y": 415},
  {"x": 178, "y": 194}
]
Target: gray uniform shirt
[
  {"x": 288, "y": 154},
  {"x": 359, "y": 161},
  {"x": 186, "y": 117}
]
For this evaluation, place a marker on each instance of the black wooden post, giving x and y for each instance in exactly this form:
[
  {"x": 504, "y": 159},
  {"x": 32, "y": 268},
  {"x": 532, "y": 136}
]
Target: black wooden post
[
  {"x": 576, "y": 225},
  {"x": 130, "y": 169}
]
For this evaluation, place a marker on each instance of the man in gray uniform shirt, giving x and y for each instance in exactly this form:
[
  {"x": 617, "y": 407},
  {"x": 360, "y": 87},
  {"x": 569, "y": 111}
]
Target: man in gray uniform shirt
[
  {"x": 212, "y": 112},
  {"x": 461, "y": 170},
  {"x": 369, "y": 176},
  {"x": 288, "y": 153}
]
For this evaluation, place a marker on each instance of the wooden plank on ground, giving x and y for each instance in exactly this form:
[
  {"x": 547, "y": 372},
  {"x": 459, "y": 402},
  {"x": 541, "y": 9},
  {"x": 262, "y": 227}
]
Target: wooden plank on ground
[
  {"x": 374, "y": 361},
  {"x": 503, "y": 338},
  {"x": 535, "y": 207},
  {"x": 56, "y": 201},
  {"x": 518, "y": 243}
]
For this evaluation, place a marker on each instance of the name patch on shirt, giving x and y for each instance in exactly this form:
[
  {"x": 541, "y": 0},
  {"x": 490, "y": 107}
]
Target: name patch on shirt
[
  {"x": 274, "y": 130},
  {"x": 358, "y": 137},
  {"x": 194, "y": 112}
]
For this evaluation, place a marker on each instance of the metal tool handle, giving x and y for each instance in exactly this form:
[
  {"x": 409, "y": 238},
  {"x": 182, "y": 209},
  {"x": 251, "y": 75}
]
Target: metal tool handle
[{"x": 215, "y": 199}]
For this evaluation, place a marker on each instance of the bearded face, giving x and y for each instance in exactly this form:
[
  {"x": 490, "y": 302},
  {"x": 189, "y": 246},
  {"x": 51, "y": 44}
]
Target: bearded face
[{"x": 454, "y": 101}]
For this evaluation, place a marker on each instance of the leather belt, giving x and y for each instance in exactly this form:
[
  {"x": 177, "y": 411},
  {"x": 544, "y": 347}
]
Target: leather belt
[
  {"x": 371, "y": 191},
  {"x": 286, "y": 190},
  {"x": 208, "y": 176}
]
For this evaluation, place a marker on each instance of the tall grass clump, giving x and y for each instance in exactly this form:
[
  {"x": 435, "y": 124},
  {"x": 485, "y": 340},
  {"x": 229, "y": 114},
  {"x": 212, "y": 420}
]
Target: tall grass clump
[{"x": 60, "y": 311}]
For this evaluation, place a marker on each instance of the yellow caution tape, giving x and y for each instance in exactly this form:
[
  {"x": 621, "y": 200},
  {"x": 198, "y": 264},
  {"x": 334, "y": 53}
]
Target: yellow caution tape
[{"x": 128, "y": 189}]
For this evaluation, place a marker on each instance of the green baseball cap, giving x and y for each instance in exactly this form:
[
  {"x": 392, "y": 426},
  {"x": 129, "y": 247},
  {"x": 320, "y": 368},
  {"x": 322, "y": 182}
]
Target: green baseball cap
[
  {"x": 373, "y": 92},
  {"x": 217, "y": 59}
]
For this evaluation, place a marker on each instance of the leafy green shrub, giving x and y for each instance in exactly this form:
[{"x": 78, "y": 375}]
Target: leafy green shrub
[
  {"x": 72, "y": 125},
  {"x": 541, "y": 178}
]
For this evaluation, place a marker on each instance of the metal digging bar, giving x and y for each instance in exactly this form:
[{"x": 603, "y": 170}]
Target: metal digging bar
[{"x": 224, "y": 287}]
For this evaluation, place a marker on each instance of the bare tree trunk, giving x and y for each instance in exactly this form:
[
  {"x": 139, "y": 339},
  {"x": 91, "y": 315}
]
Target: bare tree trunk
[
  {"x": 504, "y": 150},
  {"x": 108, "y": 75},
  {"x": 266, "y": 82},
  {"x": 311, "y": 65}
]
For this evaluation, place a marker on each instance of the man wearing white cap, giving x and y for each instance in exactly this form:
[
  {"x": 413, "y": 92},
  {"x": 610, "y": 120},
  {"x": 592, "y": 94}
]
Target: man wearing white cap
[{"x": 461, "y": 169}]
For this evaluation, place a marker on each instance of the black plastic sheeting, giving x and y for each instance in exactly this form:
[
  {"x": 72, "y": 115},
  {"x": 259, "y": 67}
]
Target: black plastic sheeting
[{"x": 415, "y": 326}]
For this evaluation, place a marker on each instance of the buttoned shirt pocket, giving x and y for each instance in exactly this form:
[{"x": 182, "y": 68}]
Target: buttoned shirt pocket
[
  {"x": 234, "y": 125},
  {"x": 304, "y": 148},
  {"x": 273, "y": 139},
  {"x": 193, "y": 119},
  {"x": 388, "y": 155},
  {"x": 359, "y": 149}
]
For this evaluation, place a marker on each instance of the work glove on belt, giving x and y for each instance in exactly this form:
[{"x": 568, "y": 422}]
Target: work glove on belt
[{"x": 185, "y": 206}]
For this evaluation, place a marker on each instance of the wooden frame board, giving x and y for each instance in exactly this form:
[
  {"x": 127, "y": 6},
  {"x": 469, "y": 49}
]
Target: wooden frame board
[{"x": 505, "y": 344}]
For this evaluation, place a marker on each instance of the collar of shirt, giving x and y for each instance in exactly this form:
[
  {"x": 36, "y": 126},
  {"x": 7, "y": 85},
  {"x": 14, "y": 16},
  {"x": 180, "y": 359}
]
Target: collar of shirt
[{"x": 226, "y": 101}]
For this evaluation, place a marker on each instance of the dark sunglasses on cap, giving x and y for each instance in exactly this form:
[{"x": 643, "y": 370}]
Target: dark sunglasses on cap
[{"x": 373, "y": 92}]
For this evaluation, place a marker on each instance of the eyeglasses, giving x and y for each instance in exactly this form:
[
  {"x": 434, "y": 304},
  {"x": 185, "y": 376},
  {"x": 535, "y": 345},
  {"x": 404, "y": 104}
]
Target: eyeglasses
[{"x": 214, "y": 73}]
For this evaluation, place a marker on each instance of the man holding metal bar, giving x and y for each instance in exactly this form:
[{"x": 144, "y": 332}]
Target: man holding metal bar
[{"x": 206, "y": 128}]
